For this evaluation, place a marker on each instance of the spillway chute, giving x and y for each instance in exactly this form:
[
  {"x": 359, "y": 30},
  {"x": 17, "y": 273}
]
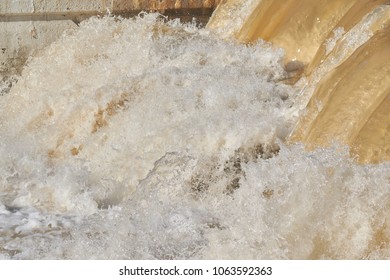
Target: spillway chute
[{"x": 343, "y": 50}]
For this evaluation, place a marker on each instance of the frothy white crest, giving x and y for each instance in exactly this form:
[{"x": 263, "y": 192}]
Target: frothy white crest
[{"x": 143, "y": 139}]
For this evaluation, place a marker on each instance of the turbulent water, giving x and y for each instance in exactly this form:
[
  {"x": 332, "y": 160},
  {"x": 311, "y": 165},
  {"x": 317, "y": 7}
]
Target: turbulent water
[{"x": 145, "y": 139}]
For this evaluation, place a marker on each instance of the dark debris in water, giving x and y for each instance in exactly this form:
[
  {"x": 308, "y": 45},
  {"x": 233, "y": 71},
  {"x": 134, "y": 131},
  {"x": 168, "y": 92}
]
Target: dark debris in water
[
  {"x": 295, "y": 70},
  {"x": 232, "y": 169},
  {"x": 6, "y": 84},
  {"x": 12, "y": 209},
  {"x": 10, "y": 253}
]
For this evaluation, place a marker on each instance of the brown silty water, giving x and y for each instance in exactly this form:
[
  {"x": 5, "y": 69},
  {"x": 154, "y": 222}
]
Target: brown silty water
[{"x": 347, "y": 77}]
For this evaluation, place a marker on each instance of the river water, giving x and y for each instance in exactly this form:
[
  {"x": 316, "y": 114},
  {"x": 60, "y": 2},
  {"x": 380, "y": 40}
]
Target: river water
[{"x": 146, "y": 139}]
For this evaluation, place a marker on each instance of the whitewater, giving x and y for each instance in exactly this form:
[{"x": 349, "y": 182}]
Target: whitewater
[{"x": 145, "y": 138}]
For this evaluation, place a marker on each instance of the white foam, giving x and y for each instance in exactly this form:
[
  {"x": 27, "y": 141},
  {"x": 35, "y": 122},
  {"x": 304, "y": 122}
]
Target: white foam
[{"x": 142, "y": 139}]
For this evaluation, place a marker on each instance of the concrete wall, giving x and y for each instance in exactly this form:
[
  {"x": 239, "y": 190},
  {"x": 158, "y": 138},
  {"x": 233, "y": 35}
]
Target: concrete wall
[
  {"x": 162, "y": 4},
  {"x": 39, "y": 6},
  {"x": 36, "y": 6}
]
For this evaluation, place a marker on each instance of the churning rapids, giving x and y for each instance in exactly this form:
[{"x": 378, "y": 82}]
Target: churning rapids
[{"x": 146, "y": 139}]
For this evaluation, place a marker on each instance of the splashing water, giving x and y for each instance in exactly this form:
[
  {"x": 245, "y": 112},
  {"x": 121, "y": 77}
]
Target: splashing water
[{"x": 144, "y": 139}]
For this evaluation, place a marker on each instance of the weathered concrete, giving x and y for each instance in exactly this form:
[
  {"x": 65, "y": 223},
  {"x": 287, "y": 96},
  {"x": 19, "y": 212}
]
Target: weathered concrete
[
  {"x": 123, "y": 5},
  {"x": 15, "y": 8}
]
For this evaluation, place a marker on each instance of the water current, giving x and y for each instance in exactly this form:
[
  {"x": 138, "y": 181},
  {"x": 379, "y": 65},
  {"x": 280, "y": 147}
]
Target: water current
[{"x": 151, "y": 139}]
